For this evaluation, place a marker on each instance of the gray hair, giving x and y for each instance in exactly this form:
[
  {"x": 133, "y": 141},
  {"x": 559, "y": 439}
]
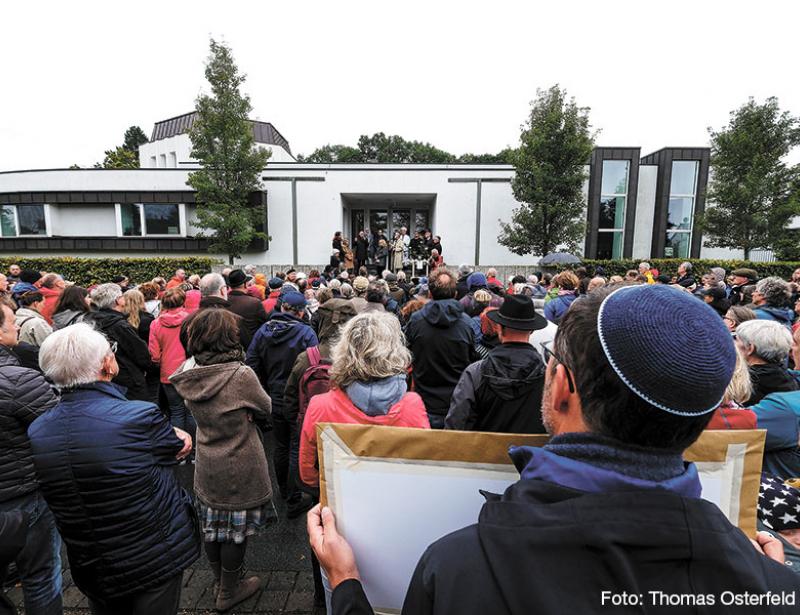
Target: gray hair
[
  {"x": 385, "y": 273},
  {"x": 774, "y": 290},
  {"x": 771, "y": 340},
  {"x": 644, "y": 264},
  {"x": 105, "y": 296},
  {"x": 719, "y": 274},
  {"x": 334, "y": 284},
  {"x": 211, "y": 284},
  {"x": 464, "y": 269},
  {"x": 491, "y": 272},
  {"x": 687, "y": 266},
  {"x": 73, "y": 355},
  {"x": 250, "y": 269},
  {"x": 401, "y": 276},
  {"x": 347, "y": 291},
  {"x": 371, "y": 346},
  {"x": 532, "y": 279}
]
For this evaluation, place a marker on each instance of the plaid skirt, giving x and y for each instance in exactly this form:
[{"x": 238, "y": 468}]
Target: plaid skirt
[{"x": 233, "y": 525}]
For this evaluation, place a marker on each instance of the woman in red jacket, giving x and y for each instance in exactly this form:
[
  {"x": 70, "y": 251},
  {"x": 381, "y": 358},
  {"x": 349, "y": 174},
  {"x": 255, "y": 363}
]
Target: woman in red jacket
[
  {"x": 368, "y": 385},
  {"x": 167, "y": 351}
]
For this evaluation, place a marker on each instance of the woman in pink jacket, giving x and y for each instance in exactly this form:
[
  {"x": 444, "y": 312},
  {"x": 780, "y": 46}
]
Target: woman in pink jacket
[
  {"x": 167, "y": 351},
  {"x": 368, "y": 385}
]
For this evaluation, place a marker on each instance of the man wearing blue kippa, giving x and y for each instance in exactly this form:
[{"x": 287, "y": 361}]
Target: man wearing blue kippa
[
  {"x": 272, "y": 354},
  {"x": 607, "y": 517}
]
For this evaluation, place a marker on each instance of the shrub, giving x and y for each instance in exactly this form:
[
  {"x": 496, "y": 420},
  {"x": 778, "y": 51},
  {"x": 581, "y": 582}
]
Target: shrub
[
  {"x": 700, "y": 266},
  {"x": 87, "y": 271}
]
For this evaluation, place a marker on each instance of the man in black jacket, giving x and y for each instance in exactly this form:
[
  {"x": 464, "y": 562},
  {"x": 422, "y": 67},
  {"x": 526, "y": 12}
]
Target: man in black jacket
[
  {"x": 503, "y": 392},
  {"x": 24, "y": 396},
  {"x": 213, "y": 295},
  {"x": 250, "y": 309},
  {"x": 442, "y": 342},
  {"x": 607, "y": 517},
  {"x": 132, "y": 354}
]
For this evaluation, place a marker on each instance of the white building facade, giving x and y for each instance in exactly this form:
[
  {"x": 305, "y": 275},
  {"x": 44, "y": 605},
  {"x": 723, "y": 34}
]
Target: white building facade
[{"x": 636, "y": 207}]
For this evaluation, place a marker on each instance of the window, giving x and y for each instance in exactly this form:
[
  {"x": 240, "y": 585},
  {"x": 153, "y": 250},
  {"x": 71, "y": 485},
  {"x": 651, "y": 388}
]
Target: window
[
  {"x": 400, "y": 218},
  {"x": 162, "y": 160},
  {"x": 422, "y": 220},
  {"x": 23, "y": 220},
  {"x": 680, "y": 210},
  {"x": 173, "y": 159},
  {"x": 149, "y": 219},
  {"x": 357, "y": 220},
  {"x": 613, "y": 200}
]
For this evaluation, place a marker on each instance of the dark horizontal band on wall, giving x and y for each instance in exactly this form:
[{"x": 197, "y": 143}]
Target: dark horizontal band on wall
[
  {"x": 483, "y": 180},
  {"x": 115, "y": 244},
  {"x": 292, "y": 179},
  {"x": 95, "y": 197}
]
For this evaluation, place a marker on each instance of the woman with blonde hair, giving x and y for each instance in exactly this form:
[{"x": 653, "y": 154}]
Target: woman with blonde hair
[
  {"x": 368, "y": 386},
  {"x": 567, "y": 284},
  {"x": 137, "y": 315},
  {"x": 731, "y": 413}
]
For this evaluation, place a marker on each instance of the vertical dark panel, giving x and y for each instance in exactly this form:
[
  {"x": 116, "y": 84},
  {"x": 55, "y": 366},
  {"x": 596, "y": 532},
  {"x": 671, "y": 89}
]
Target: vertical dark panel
[
  {"x": 593, "y": 199},
  {"x": 630, "y": 209},
  {"x": 700, "y": 202}
]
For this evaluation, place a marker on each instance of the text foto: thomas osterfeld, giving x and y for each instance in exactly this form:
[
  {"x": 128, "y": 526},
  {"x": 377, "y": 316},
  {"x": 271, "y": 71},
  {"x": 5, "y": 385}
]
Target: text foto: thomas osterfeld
[{"x": 726, "y": 598}]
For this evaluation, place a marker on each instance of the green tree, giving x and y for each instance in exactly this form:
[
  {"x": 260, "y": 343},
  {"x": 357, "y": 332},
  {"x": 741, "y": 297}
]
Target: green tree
[
  {"x": 333, "y": 153},
  {"x": 223, "y": 144},
  {"x": 753, "y": 193},
  {"x": 555, "y": 145},
  {"x": 134, "y": 137},
  {"x": 119, "y": 158}
]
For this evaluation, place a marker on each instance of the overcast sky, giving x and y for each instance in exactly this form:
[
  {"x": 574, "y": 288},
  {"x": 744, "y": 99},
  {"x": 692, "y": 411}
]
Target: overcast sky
[{"x": 459, "y": 75}]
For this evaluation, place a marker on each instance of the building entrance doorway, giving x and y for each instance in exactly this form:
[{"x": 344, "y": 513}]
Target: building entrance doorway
[{"x": 387, "y": 213}]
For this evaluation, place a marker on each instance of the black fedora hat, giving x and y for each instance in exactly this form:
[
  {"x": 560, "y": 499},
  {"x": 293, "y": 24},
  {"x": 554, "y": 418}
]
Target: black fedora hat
[
  {"x": 517, "y": 312},
  {"x": 237, "y": 278}
]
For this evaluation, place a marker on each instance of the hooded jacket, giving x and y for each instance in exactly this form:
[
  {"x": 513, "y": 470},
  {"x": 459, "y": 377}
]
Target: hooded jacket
[
  {"x": 133, "y": 357},
  {"x": 274, "y": 350},
  {"x": 501, "y": 393},
  {"x": 33, "y": 327},
  {"x": 165, "y": 343},
  {"x": 770, "y": 378},
  {"x": 442, "y": 342},
  {"x": 783, "y": 315},
  {"x": 24, "y": 396},
  {"x": 555, "y": 309},
  {"x": 231, "y": 471},
  {"x": 336, "y": 407},
  {"x": 333, "y": 314},
  {"x": 105, "y": 468},
  {"x": 569, "y": 530},
  {"x": 779, "y": 414}
]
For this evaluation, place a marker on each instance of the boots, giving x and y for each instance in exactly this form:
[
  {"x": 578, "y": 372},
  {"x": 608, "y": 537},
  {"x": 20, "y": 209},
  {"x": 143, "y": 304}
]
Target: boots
[{"x": 233, "y": 589}]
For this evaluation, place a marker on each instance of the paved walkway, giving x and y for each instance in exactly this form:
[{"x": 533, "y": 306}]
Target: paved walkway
[{"x": 280, "y": 556}]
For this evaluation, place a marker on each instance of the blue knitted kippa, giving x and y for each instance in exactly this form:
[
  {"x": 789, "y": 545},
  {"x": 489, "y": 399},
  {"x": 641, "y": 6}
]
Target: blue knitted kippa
[{"x": 670, "y": 349}]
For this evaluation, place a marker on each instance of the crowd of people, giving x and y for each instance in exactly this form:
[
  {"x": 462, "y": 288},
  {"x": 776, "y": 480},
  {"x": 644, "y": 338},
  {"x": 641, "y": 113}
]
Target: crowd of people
[
  {"x": 421, "y": 253},
  {"x": 105, "y": 389}
]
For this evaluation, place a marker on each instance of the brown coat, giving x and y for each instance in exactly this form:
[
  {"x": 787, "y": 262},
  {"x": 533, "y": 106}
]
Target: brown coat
[{"x": 231, "y": 471}]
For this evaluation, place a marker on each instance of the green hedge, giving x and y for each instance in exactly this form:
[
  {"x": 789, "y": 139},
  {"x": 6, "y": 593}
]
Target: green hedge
[
  {"x": 700, "y": 266},
  {"x": 86, "y": 271}
]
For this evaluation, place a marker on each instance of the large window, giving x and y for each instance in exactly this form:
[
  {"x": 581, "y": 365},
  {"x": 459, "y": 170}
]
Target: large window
[
  {"x": 680, "y": 211},
  {"x": 23, "y": 220},
  {"x": 613, "y": 200},
  {"x": 150, "y": 219}
]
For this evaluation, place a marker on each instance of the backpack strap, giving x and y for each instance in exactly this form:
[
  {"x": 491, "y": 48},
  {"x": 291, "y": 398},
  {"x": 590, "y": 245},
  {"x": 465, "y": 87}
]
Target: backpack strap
[
  {"x": 314, "y": 357},
  {"x": 26, "y": 320}
]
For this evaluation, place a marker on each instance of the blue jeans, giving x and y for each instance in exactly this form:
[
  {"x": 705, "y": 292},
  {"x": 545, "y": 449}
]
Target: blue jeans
[
  {"x": 39, "y": 562},
  {"x": 179, "y": 416}
]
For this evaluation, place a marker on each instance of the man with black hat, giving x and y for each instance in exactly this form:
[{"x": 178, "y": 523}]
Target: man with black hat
[
  {"x": 608, "y": 509},
  {"x": 744, "y": 284},
  {"x": 503, "y": 392},
  {"x": 245, "y": 305}
]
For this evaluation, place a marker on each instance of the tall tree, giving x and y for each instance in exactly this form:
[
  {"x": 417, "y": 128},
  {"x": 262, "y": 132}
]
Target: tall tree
[
  {"x": 752, "y": 193},
  {"x": 555, "y": 146},
  {"x": 134, "y": 137},
  {"x": 120, "y": 158},
  {"x": 223, "y": 144}
]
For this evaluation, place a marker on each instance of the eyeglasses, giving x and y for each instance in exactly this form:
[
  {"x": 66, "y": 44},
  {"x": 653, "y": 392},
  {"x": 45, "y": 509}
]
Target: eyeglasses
[
  {"x": 113, "y": 346},
  {"x": 549, "y": 353}
]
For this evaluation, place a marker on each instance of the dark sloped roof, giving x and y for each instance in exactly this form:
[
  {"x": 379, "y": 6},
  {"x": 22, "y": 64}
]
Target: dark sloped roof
[{"x": 263, "y": 132}]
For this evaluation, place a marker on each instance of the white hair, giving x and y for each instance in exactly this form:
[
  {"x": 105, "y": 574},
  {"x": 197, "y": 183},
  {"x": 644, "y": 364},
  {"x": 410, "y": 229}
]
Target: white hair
[
  {"x": 250, "y": 269},
  {"x": 532, "y": 279},
  {"x": 211, "y": 284},
  {"x": 73, "y": 355},
  {"x": 105, "y": 296},
  {"x": 491, "y": 272},
  {"x": 385, "y": 273},
  {"x": 401, "y": 276},
  {"x": 771, "y": 340}
]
